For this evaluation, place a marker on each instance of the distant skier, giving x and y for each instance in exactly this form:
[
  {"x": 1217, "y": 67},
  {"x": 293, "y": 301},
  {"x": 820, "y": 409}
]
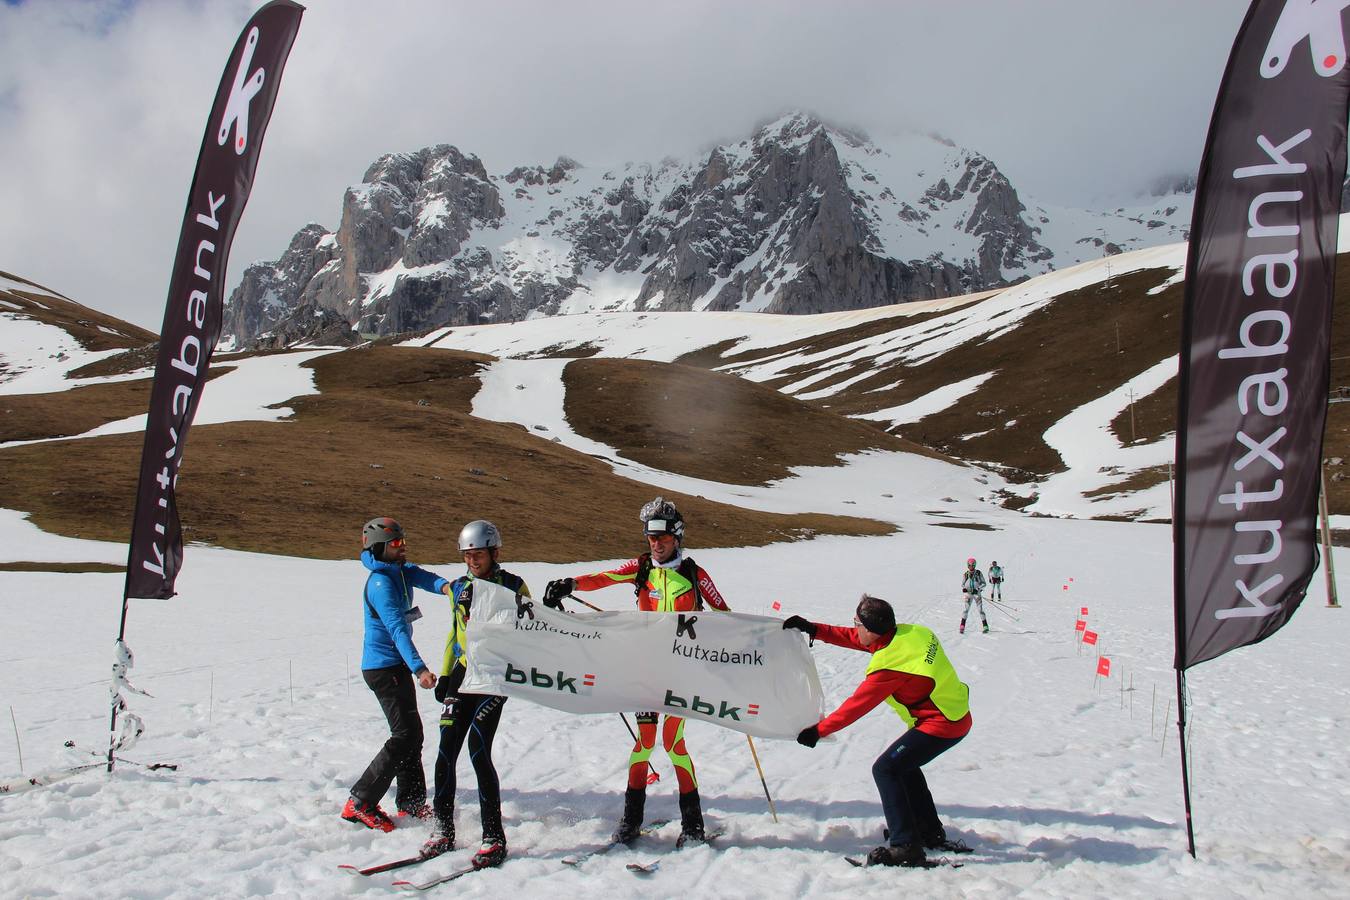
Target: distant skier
[
  {"x": 390, "y": 664},
  {"x": 665, "y": 580},
  {"x": 908, "y": 671},
  {"x": 470, "y": 716},
  {"x": 972, "y": 585},
  {"x": 995, "y": 581}
]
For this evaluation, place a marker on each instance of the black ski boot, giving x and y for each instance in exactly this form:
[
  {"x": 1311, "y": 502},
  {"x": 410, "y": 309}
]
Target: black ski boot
[
  {"x": 442, "y": 839},
  {"x": 938, "y": 840},
  {"x": 691, "y": 820},
  {"x": 907, "y": 855},
  {"x": 634, "y": 800}
]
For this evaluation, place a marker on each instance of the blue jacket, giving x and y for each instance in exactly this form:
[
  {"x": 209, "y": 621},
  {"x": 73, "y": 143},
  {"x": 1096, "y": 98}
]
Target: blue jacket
[{"x": 388, "y": 640}]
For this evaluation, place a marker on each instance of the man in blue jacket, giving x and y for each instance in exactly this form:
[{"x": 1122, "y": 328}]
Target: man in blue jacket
[{"x": 389, "y": 664}]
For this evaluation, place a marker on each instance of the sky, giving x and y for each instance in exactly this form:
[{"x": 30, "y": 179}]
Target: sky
[{"x": 103, "y": 104}]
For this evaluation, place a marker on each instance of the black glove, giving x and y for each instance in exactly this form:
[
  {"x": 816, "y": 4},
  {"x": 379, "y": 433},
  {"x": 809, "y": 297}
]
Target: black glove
[
  {"x": 809, "y": 736},
  {"x": 555, "y": 591},
  {"x": 443, "y": 689},
  {"x": 805, "y": 626}
]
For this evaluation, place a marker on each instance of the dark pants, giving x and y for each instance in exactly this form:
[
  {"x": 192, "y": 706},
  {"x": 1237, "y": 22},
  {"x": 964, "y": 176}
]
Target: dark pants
[
  {"x": 401, "y": 755},
  {"x": 910, "y": 814},
  {"x": 473, "y": 717}
]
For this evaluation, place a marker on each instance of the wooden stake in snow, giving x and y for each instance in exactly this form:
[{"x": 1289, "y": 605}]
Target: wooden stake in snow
[{"x": 15, "y": 723}]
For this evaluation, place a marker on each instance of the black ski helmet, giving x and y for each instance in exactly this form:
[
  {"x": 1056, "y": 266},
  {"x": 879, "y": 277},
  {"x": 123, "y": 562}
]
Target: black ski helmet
[
  {"x": 661, "y": 517},
  {"x": 378, "y": 531}
]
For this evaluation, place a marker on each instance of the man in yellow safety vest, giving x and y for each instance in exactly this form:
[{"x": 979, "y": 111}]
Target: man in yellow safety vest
[{"x": 910, "y": 672}]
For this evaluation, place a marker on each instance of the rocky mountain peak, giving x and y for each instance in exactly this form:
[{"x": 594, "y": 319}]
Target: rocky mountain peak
[{"x": 801, "y": 216}]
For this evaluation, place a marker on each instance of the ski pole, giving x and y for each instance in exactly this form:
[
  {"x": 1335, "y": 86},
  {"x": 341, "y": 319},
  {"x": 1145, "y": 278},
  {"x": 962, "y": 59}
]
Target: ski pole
[
  {"x": 765, "y": 784},
  {"x": 621, "y": 715},
  {"x": 1000, "y": 608},
  {"x": 584, "y": 603},
  {"x": 1001, "y": 603},
  {"x": 131, "y": 762}
]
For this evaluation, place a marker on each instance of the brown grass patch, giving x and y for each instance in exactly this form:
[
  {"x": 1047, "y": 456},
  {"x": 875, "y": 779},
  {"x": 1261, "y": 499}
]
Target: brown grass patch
[
  {"x": 77, "y": 320},
  {"x": 1140, "y": 480},
  {"x": 60, "y": 567},
  {"x": 1058, "y": 358},
  {"x": 708, "y": 425},
  {"x": 366, "y": 448}
]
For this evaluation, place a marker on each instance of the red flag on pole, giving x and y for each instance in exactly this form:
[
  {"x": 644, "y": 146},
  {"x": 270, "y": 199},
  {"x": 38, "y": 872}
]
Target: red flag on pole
[
  {"x": 1080, "y": 625},
  {"x": 1083, "y": 611},
  {"x": 1089, "y": 637},
  {"x": 777, "y": 606},
  {"x": 1104, "y": 666}
]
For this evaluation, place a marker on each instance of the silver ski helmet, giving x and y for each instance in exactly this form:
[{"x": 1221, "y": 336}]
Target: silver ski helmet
[
  {"x": 661, "y": 517},
  {"x": 378, "y": 531},
  {"x": 480, "y": 534}
]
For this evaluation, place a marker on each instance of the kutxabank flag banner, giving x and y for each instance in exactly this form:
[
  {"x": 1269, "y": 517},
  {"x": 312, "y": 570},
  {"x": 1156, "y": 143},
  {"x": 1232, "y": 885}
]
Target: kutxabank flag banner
[
  {"x": 739, "y": 671},
  {"x": 1256, "y": 329},
  {"x": 192, "y": 316}
]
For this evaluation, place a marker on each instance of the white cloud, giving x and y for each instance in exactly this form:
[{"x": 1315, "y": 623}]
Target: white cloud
[{"x": 103, "y": 104}]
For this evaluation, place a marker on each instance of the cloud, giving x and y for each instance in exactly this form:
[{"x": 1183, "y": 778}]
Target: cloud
[{"x": 104, "y": 104}]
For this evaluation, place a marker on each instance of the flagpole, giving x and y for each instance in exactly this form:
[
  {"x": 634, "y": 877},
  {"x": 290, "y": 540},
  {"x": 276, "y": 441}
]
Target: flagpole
[
  {"x": 116, "y": 695},
  {"x": 1332, "y": 601},
  {"x": 1185, "y": 768}
]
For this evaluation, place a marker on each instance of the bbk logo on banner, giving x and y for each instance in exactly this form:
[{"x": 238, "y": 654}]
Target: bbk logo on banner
[
  {"x": 717, "y": 709},
  {"x": 557, "y": 680},
  {"x": 1319, "y": 21},
  {"x": 241, "y": 95}
]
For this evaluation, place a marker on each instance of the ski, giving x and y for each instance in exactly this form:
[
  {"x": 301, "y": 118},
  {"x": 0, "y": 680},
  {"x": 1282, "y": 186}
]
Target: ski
[
  {"x": 934, "y": 863},
  {"x": 649, "y": 868},
  {"x": 428, "y": 885},
  {"x": 388, "y": 866},
  {"x": 580, "y": 858}
]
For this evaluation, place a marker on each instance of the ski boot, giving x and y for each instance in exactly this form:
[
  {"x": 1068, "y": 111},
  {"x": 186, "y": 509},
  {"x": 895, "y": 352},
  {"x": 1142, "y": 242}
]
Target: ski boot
[
  {"x": 938, "y": 840},
  {"x": 414, "y": 811},
  {"x": 369, "y": 816},
  {"x": 491, "y": 854},
  {"x": 634, "y": 801},
  {"x": 961, "y": 629},
  {"x": 691, "y": 820},
  {"x": 442, "y": 840},
  {"x": 907, "y": 855}
]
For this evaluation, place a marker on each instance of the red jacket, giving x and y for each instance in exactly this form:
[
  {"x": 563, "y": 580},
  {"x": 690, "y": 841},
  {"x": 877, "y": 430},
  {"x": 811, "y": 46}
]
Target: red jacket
[{"x": 911, "y": 690}]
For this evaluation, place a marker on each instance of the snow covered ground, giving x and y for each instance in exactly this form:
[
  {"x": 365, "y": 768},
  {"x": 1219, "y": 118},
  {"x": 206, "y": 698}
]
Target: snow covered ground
[{"x": 1065, "y": 787}]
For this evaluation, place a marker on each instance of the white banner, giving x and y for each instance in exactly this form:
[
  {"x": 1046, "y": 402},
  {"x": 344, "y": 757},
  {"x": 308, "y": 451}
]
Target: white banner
[{"x": 739, "y": 671}]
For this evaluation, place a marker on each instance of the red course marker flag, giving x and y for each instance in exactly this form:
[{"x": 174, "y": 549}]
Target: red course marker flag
[
  {"x": 777, "y": 606},
  {"x": 1104, "y": 666},
  {"x": 1080, "y": 625},
  {"x": 1089, "y": 637},
  {"x": 1083, "y": 611}
]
